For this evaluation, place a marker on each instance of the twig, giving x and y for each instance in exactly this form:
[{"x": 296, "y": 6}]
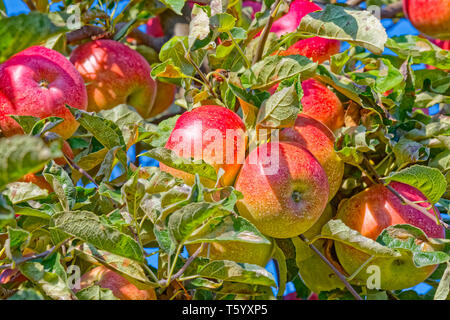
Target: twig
[
  {"x": 265, "y": 32},
  {"x": 336, "y": 271},
  {"x": 354, "y": 3},
  {"x": 183, "y": 268},
  {"x": 26, "y": 259},
  {"x": 391, "y": 11},
  {"x": 80, "y": 170},
  {"x": 84, "y": 32}
]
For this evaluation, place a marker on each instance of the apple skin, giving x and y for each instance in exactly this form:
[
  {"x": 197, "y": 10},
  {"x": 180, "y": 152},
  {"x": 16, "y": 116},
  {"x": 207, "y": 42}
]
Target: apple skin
[
  {"x": 154, "y": 27},
  {"x": 120, "y": 286},
  {"x": 285, "y": 189},
  {"x": 241, "y": 252},
  {"x": 371, "y": 211},
  {"x": 319, "y": 140},
  {"x": 431, "y": 17},
  {"x": 191, "y": 129},
  {"x": 165, "y": 95},
  {"x": 39, "y": 82},
  {"x": 112, "y": 80},
  {"x": 322, "y": 104},
  {"x": 316, "y": 48}
]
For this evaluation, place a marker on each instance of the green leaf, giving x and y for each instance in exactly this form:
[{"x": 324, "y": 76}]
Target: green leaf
[
  {"x": 22, "y": 155},
  {"x": 358, "y": 27},
  {"x": 95, "y": 292},
  {"x": 338, "y": 231},
  {"x": 430, "y": 181},
  {"x": 18, "y": 192},
  {"x": 420, "y": 49},
  {"x": 25, "y": 30},
  {"x": 18, "y": 239},
  {"x": 45, "y": 125},
  {"x": 174, "y": 5},
  {"x": 133, "y": 191},
  {"x": 237, "y": 272},
  {"x": 88, "y": 227},
  {"x": 169, "y": 158},
  {"x": 223, "y": 22},
  {"x": 27, "y": 294},
  {"x": 280, "y": 110},
  {"x": 443, "y": 288},
  {"x": 199, "y": 26},
  {"x": 408, "y": 151},
  {"x": 404, "y": 237},
  {"x": 352, "y": 144},
  {"x": 441, "y": 161},
  {"x": 26, "y": 122},
  {"x": 62, "y": 184},
  {"x": 274, "y": 69}
]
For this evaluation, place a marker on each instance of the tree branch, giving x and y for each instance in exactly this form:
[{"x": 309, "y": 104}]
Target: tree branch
[
  {"x": 335, "y": 270},
  {"x": 85, "y": 32},
  {"x": 391, "y": 11}
]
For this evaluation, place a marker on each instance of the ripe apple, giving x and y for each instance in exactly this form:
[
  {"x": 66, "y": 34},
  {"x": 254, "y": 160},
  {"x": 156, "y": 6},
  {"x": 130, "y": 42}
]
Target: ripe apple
[
  {"x": 120, "y": 286},
  {"x": 212, "y": 133},
  {"x": 154, "y": 27},
  {"x": 241, "y": 252},
  {"x": 316, "y": 48},
  {"x": 165, "y": 95},
  {"x": 285, "y": 189},
  {"x": 322, "y": 104},
  {"x": 431, "y": 17},
  {"x": 371, "y": 211},
  {"x": 115, "y": 74},
  {"x": 39, "y": 82},
  {"x": 319, "y": 140}
]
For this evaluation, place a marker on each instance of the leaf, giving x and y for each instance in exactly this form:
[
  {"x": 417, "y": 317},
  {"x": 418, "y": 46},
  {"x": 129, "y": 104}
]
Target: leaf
[
  {"x": 443, "y": 288},
  {"x": 18, "y": 192},
  {"x": 18, "y": 239},
  {"x": 170, "y": 159},
  {"x": 338, "y": 231},
  {"x": 22, "y": 155},
  {"x": 27, "y": 294},
  {"x": 133, "y": 192},
  {"x": 223, "y": 22},
  {"x": 26, "y": 122},
  {"x": 89, "y": 162},
  {"x": 45, "y": 125},
  {"x": 430, "y": 181},
  {"x": 274, "y": 69},
  {"x": 280, "y": 110},
  {"x": 420, "y": 49},
  {"x": 352, "y": 143},
  {"x": 408, "y": 151},
  {"x": 230, "y": 228},
  {"x": 174, "y": 5},
  {"x": 358, "y": 27},
  {"x": 88, "y": 227},
  {"x": 95, "y": 292},
  {"x": 62, "y": 184},
  {"x": 441, "y": 161},
  {"x": 237, "y": 272},
  {"x": 25, "y": 30},
  {"x": 404, "y": 237},
  {"x": 199, "y": 26}
]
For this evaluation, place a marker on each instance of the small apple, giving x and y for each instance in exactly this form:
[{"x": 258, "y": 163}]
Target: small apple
[
  {"x": 115, "y": 74},
  {"x": 120, "y": 287},
  {"x": 212, "y": 133},
  {"x": 319, "y": 140},
  {"x": 154, "y": 27},
  {"x": 371, "y": 211},
  {"x": 285, "y": 189},
  {"x": 165, "y": 94},
  {"x": 40, "y": 82},
  {"x": 431, "y": 17},
  {"x": 316, "y": 48}
]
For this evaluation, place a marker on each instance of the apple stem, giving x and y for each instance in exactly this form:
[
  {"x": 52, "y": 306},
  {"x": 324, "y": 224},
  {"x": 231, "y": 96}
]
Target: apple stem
[{"x": 336, "y": 271}]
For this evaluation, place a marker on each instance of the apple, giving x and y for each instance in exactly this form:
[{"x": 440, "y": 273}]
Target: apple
[
  {"x": 238, "y": 251},
  {"x": 319, "y": 140},
  {"x": 120, "y": 286},
  {"x": 371, "y": 211},
  {"x": 115, "y": 74},
  {"x": 165, "y": 95},
  {"x": 285, "y": 189},
  {"x": 212, "y": 133},
  {"x": 444, "y": 44},
  {"x": 316, "y": 48},
  {"x": 431, "y": 17},
  {"x": 256, "y": 7},
  {"x": 154, "y": 27},
  {"x": 39, "y": 82}
]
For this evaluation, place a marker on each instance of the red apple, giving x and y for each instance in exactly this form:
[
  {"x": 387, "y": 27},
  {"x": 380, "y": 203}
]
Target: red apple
[
  {"x": 256, "y": 7},
  {"x": 285, "y": 189},
  {"x": 39, "y": 82},
  {"x": 370, "y": 212},
  {"x": 319, "y": 140},
  {"x": 120, "y": 287},
  {"x": 115, "y": 74},
  {"x": 316, "y": 48},
  {"x": 212, "y": 133},
  {"x": 165, "y": 94},
  {"x": 154, "y": 27},
  {"x": 431, "y": 17}
]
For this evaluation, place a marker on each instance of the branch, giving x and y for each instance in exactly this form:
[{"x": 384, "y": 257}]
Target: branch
[
  {"x": 354, "y": 3},
  {"x": 26, "y": 259},
  {"x": 85, "y": 32},
  {"x": 392, "y": 10},
  {"x": 80, "y": 170},
  {"x": 335, "y": 270},
  {"x": 265, "y": 32}
]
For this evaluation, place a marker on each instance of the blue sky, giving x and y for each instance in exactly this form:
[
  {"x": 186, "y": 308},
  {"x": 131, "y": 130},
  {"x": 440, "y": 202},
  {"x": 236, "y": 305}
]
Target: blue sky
[{"x": 15, "y": 7}]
